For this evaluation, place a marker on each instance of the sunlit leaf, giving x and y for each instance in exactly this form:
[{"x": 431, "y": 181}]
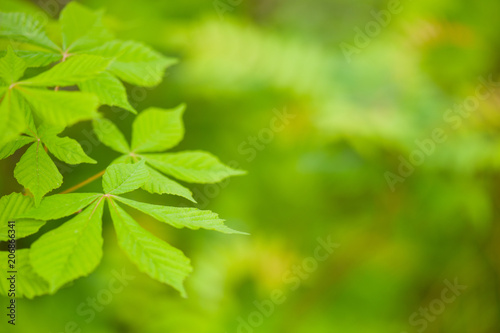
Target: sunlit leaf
[
  {"x": 38, "y": 58},
  {"x": 12, "y": 146},
  {"x": 191, "y": 218},
  {"x": 12, "y": 67},
  {"x": 192, "y": 166},
  {"x": 109, "y": 89},
  {"x": 12, "y": 113},
  {"x": 61, "y": 108},
  {"x": 161, "y": 184},
  {"x": 25, "y": 28},
  {"x": 123, "y": 178},
  {"x": 135, "y": 62},
  {"x": 76, "y": 69},
  {"x": 72, "y": 250},
  {"x": 110, "y": 135},
  {"x": 82, "y": 28},
  {"x": 156, "y": 130},
  {"x": 151, "y": 255},
  {"x": 61, "y": 205},
  {"x": 28, "y": 283},
  {"x": 36, "y": 171},
  {"x": 66, "y": 149},
  {"x": 11, "y": 207}
]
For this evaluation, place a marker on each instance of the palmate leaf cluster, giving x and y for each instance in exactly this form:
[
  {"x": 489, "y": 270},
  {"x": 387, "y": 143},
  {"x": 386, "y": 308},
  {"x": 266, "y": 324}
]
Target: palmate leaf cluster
[{"x": 36, "y": 109}]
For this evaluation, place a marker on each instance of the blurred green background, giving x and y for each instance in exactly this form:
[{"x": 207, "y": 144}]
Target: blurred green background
[{"x": 321, "y": 175}]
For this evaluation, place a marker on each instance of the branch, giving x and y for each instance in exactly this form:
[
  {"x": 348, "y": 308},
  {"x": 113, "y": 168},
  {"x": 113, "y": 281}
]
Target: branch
[{"x": 85, "y": 182}]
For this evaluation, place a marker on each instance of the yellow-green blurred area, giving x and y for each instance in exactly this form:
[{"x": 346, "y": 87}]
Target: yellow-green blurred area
[{"x": 269, "y": 89}]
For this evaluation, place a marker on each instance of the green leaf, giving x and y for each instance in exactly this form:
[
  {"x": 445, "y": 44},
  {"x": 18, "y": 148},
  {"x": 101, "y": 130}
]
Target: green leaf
[
  {"x": 192, "y": 166},
  {"x": 45, "y": 130},
  {"x": 11, "y": 67},
  {"x": 135, "y": 62},
  {"x": 66, "y": 149},
  {"x": 151, "y": 255},
  {"x": 13, "y": 109},
  {"x": 12, "y": 146},
  {"x": 61, "y": 205},
  {"x": 61, "y": 108},
  {"x": 191, "y": 218},
  {"x": 25, "y": 28},
  {"x": 76, "y": 69},
  {"x": 36, "y": 171},
  {"x": 109, "y": 90},
  {"x": 26, "y": 227},
  {"x": 72, "y": 250},
  {"x": 156, "y": 130},
  {"x": 110, "y": 135},
  {"x": 28, "y": 283},
  {"x": 123, "y": 178},
  {"x": 11, "y": 207},
  {"x": 35, "y": 58},
  {"x": 38, "y": 58},
  {"x": 122, "y": 159},
  {"x": 29, "y": 119},
  {"x": 161, "y": 184},
  {"x": 82, "y": 28}
]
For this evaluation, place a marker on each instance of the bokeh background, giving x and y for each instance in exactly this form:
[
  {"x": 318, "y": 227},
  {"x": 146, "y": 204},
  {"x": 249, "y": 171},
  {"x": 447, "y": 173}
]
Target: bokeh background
[{"x": 323, "y": 175}]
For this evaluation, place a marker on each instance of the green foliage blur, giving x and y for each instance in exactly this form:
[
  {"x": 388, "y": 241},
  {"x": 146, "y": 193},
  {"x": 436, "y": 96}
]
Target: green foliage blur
[{"x": 390, "y": 150}]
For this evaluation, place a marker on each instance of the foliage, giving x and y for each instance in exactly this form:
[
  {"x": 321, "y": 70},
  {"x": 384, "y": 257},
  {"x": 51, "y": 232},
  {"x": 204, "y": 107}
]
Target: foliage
[{"x": 36, "y": 109}]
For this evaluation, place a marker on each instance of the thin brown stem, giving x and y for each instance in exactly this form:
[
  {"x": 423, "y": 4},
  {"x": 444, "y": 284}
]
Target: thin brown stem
[{"x": 85, "y": 182}]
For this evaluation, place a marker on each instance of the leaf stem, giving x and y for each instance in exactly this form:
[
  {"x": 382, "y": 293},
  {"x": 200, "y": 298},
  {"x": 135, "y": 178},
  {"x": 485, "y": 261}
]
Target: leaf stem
[{"x": 85, "y": 182}]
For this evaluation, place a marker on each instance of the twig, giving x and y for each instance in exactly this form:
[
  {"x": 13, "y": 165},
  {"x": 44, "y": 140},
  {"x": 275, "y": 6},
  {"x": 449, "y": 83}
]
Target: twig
[{"x": 85, "y": 182}]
